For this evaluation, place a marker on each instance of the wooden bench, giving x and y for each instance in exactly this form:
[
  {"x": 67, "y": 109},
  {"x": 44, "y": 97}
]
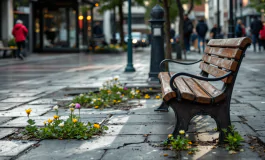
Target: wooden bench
[
  {"x": 5, "y": 49},
  {"x": 189, "y": 95}
]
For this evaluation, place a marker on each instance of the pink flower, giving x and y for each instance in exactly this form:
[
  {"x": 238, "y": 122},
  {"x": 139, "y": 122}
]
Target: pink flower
[
  {"x": 125, "y": 88},
  {"x": 77, "y": 106}
]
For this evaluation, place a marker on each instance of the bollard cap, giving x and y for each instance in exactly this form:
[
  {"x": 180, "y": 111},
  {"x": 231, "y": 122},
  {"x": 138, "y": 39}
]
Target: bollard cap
[{"x": 157, "y": 12}]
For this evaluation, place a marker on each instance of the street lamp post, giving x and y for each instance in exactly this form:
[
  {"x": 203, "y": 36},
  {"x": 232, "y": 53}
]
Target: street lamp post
[
  {"x": 129, "y": 67},
  {"x": 218, "y": 18},
  {"x": 231, "y": 21},
  {"x": 157, "y": 43}
]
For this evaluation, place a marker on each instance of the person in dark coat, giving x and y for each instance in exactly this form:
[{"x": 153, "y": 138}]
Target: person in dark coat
[
  {"x": 20, "y": 33},
  {"x": 214, "y": 32},
  {"x": 187, "y": 29},
  {"x": 255, "y": 27},
  {"x": 201, "y": 30}
]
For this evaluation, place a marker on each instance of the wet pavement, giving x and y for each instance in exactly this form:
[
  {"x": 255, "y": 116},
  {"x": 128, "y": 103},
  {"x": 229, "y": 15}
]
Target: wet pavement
[{"x": 42, "y": 81}]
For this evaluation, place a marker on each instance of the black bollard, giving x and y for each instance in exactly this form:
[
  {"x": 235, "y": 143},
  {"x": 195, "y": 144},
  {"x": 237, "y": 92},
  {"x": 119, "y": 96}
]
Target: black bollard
[{"x": 157, "y": 42}]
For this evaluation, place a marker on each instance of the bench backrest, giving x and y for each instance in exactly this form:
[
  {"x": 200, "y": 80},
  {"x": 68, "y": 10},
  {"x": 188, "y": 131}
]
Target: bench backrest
[{"x": 223, "y": 55}]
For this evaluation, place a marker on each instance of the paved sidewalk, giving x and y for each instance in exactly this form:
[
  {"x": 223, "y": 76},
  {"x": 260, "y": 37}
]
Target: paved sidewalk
[{"x": 42, "y": 82}]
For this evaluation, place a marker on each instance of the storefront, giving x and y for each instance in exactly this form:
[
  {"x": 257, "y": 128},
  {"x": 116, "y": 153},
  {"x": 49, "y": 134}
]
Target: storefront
[{"x": 58, "y": 25}]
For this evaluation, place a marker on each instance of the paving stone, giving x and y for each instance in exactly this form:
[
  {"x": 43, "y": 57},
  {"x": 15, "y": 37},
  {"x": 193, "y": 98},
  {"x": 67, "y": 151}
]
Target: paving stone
[
  {"x": 112, "y": 142},
  {"x": 207, "y": 152},
  {"x": 262, "y": 140},
  {"x": 22, "y": 94},
  {"x": 21, "y": 99},
  {"x": 6, "y": 106},
  {"x": 240, "y": 109},
  {"x": 49, "y": 101},
  {"x": 22, "y": 121},
  {"x": 138, "y": 151},
  {"x": 247, "y": 99},
  {"x": 4, "y": 119},
  {"x": 6, "y": 131},
  {"x": 20, "y": 111},
  {"x": 261, "y": 133},
  {"x": 256, "y": 122},
  {"x": 139, "y": 129},
  {"x": 241, "y": 93},
  {"x": 244, "y": 130},
  {"x": 259, "y": 105},
  {"x": 63, "y": 149},
  {"x": 5, "y": 158},
  {"x": 140, "y": 119},
  {"x": 202, "y": 137},
  {"x": 13, "y": 148}
]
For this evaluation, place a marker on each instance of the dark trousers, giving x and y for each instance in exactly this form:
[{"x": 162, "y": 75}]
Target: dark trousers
[
  {"x": 20, "y": 46},
  {"x": 187, "y": 42}
]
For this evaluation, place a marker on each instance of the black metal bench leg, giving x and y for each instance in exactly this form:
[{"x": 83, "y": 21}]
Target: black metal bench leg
[
  {"x": 223, "y": 122},
  {"x": 182, "y": 119},
  {"x": 162, "y": 108}
]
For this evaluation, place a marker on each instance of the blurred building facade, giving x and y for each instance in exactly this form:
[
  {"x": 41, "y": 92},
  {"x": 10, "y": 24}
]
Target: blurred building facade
[
  {"x": 240, "y": 11},
  {"x": 6, "y": 19}
]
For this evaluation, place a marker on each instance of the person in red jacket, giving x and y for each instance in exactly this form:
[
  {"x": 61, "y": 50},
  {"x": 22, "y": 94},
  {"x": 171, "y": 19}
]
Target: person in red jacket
[
  {"x": 262, "y": 36},
  {"x": 20, "y": 33}
]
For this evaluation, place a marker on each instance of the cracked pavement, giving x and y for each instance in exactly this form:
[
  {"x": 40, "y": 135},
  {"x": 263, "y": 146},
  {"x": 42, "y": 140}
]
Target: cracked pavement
[{"x": 42, "y": 81}]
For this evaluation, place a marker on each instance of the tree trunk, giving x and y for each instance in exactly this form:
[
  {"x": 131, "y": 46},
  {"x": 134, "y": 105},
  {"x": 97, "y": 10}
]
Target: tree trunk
[
  {"x": 181, "y": 21},
  {"x": 168, "y": 54},
  {"x": 121, "y": 23}
]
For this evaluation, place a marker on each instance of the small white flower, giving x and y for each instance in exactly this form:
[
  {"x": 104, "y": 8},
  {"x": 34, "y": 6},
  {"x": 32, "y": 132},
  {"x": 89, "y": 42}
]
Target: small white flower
[
  {"x": 81, "y": 95},
  {"x": 94, "y": 100},
  {"x": 91, "y": 102},
  {"x": 118, "y": 93},
  {"x": 186, "y": 135},
  {"x": 116, "y": 77},
  {"x": 61, "y": 124},
  {"x": 55, "y": 107},
  {"x": 71, "y": 105},
  {"x": 110, "y": 79}
]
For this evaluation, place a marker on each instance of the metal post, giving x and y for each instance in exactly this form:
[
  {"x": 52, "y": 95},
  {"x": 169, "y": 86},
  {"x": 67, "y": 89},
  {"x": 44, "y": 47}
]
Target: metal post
[
  {"x": 157, "y": 43},
  {"x": 241, "y": 14},
  {"x": 218, "y": 19},
  {"x": 129, "y": 67},
  {"x": 231, "y": 33}
]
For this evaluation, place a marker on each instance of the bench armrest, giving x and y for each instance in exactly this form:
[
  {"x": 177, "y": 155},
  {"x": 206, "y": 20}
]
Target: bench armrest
[
  {"x": 196, "y": 77},
  {"x": 173, "y": 61}
]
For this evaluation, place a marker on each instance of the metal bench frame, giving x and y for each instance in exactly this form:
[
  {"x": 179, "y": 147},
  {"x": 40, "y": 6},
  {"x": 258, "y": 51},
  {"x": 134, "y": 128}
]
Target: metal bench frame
[{"x": 185, "y": 110}]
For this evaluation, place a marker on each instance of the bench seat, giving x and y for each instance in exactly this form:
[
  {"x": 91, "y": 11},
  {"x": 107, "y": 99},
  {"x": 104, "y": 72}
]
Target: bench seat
[{"x": 190, "y": 89}]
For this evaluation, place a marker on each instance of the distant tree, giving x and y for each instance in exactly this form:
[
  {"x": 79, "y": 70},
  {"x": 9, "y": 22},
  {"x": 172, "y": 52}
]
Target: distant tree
[
  {"x": 111, "y": 4},
  {"x": 258, "y": 5}
]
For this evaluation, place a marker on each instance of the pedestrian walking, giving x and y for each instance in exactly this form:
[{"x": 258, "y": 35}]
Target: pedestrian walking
[
  {"x": 214, "y": 32},
  {"x": 255, "y": 27},
  {"x": 201, "y": 30},
  {"x": 187, "y": 29},
  {"x": 262, "y": 36},
  {"x": 239, "y": 30},
  {"x": 20, "y": 32},
  {"x": 244, "y": 33}
]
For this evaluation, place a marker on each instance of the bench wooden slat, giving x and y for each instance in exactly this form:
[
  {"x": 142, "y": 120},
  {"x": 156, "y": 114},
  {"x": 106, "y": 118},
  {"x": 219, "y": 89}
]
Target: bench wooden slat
[
  {"x": 231, "y": 42},
  {"x": 224, "y": 63},
  {"x": 216, "y": 72},
  {"x": 201, "y": 96},
  {"x": 184, "y": 90},
  {"x": 234, "y": 53},
  {"x": 167, "y": 92},
  {"x": 211, "y": 90}
]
